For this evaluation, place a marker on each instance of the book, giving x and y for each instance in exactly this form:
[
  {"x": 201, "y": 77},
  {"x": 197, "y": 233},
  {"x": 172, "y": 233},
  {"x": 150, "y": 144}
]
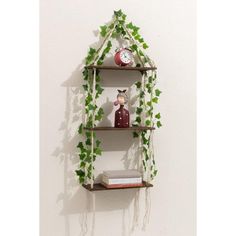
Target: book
[
  {"x": 122, "y": 185},
  {"x": 107, "y": 180},
  {"x": 118, "y": 174}
]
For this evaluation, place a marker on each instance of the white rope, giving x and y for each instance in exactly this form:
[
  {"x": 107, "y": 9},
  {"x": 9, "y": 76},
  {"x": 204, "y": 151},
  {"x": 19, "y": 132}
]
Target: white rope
[
  {"x": 92, "y": 132},
  {"x": 147, "y": 209},
  {"x": 136, "y": 209},
  {"x": 93, "y": 216},
  {"x": 143, "y": 88}
]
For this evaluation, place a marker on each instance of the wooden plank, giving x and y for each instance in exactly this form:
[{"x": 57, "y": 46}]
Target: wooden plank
[
  {"x": 100, "y": 187},
  {"x": 138, "y": 128},
  {"x": 120, "y": 68}
]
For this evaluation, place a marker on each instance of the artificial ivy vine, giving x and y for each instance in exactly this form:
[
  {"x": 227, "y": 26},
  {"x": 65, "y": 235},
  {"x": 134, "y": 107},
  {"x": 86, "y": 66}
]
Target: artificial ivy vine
[{"x": 89, "y": 147}]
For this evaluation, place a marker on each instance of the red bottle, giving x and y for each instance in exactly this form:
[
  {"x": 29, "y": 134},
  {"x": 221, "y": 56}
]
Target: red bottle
[{"x": 122, "y": 117}]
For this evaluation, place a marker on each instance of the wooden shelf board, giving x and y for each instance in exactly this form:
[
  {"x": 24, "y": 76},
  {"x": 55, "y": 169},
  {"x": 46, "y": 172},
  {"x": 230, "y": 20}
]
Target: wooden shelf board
[
  {"x": 120, "y": 68},
  {"x": 100, "y": 187},
  {"x": 137, "y": 128}
]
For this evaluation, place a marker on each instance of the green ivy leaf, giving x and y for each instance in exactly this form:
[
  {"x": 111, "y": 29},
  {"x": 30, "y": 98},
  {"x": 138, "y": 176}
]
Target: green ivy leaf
[
  {"x": 98, "y": 78},
  {"x": 142, "y": 94},
  {"x": 130, "y": 25},
  {"x": 124, "y": 17},
  {"x": 98, "y": 151},
  {"x": 149, "y": 88},
  {"x": 140, "y": 53},
  {"x": 134, "y": 47},
  {"x": 100, "y": 111},
  {"x": 98, "y": 143},
  {"x": 88, "y": 99},
  {"x": 139, "y": 110},
  {"x": 145, "y": 46},
  {"x": 155, "y": 100},
  {"x": 91, "y": 54},
  {"x": 81, "y": 180},
  {"x": 121, "y": 22},
  {"x": 118, "y": 13},
  {"x": 138, "y": 119},
  {"x": 80, "y": 145},
  {"x": 150, "y": 113},
  {"x": 137, "y": 37},
  {"x": 135, "y": 135},
  {"x": 88, "y": 134},
  {"x": 89, "y": 124},
  {"x": 157, "y": 92},
  {"x": 80, "y": 173},
  {"x": 91, "y": 107},
  {"x": 135, "y": 28},
  {"x": 80, "y": 130},
  {"x": 82, "y": 156},
  {"x": 149, "y": 103},
  {"x": 134, "y": 33},
  {"x": 150, "y": 79},
  {"x": 92, "y": 51},
  {"x": 111, "y": 26},
  {"x": 98, "y": 117},
  {"x": 103, "y": 31},
  {"x": 114, "y": 35},
  {"x": 141, "y": 40},
  {"x": 88, "y": 141},
  {"x": 138, "y": 84},
  {"x": 158, "y": 116},
  {"x": 85, "y": 86},
  {"x": 147, "y": 122},
  {"x": 85, "y": 74},
  {"x": 99, "y": 62},
  {"x": 82, "y": 164},
  {"x": 99, "y": 89},
  {"x": 159, "y": 124}
]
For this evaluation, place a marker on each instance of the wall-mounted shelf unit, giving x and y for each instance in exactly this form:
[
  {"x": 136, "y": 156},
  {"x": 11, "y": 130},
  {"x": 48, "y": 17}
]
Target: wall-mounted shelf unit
[
  {"x": 147, "y": 95},
  {"x": 120, "y": 68},
  {"x": 138, "y": 128},
  {"x": 98, "y": 187}
]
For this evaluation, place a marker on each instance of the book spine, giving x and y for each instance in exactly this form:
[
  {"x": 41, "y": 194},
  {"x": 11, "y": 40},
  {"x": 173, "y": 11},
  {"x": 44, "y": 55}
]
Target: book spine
[
  {"x": 122, "y": 185},
  {"x": 122, "y": 180}
]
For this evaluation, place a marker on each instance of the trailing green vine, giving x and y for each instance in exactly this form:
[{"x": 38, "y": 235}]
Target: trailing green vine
[{"x": 89, "y": 146}]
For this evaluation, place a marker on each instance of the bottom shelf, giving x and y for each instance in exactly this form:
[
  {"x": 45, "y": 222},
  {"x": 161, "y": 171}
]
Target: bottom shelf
[{"x": 99, "y": 187}]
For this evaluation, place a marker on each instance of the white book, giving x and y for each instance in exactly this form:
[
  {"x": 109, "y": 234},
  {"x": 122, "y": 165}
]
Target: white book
[
  {"x": 119, "y": 174},
  {"x": 108, "y": 181}
]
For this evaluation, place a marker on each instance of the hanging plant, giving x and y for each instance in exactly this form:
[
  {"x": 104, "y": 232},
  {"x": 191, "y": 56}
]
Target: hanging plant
[{"x": 89, "y": 147}]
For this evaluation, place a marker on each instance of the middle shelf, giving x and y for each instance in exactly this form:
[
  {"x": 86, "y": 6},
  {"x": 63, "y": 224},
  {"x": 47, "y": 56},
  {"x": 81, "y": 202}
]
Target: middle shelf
[{"x": 106, "y": 128}]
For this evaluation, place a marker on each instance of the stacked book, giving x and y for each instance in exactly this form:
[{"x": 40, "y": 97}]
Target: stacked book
[{"x": 122, "y": 178}]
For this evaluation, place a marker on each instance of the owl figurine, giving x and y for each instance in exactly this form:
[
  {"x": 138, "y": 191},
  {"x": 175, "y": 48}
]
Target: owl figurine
[{"x": 122, "y": 114}]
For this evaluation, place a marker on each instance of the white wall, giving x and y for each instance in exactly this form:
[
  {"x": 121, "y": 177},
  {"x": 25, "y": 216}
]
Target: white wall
[{"x": 67, "y": 30}]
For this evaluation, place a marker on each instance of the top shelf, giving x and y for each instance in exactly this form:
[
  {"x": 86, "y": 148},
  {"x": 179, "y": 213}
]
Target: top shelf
[{"x": 121, "y": 68}]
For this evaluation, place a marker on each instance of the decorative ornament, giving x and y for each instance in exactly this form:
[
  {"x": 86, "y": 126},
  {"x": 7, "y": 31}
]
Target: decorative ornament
[
  {"x": 121, "y": 115},
  {"x": 123, "y": 57}
]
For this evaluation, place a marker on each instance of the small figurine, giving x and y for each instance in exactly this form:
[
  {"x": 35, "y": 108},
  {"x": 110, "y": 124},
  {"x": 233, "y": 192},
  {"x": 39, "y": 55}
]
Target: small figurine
[{"x": 121, "y": 115}]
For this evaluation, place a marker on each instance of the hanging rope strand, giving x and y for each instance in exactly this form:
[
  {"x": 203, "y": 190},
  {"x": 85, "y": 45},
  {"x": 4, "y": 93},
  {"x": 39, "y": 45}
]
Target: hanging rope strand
[{"x": 93, "y": 125}]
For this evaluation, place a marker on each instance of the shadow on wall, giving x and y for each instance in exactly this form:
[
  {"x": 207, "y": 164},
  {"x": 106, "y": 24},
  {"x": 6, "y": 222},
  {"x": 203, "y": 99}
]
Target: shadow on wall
[{"x": 75, "y": 199}]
